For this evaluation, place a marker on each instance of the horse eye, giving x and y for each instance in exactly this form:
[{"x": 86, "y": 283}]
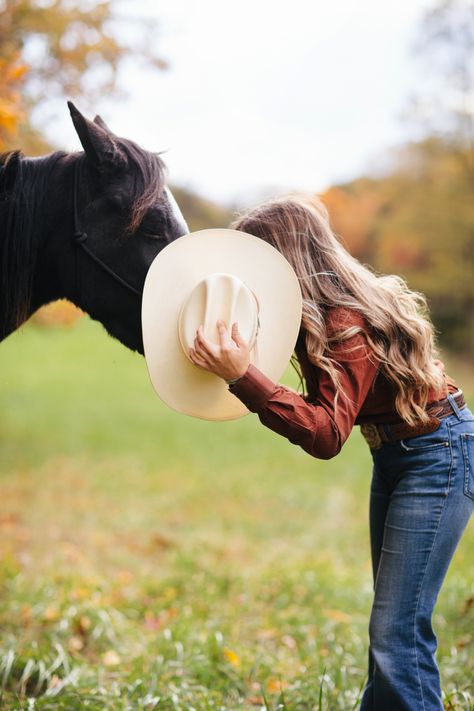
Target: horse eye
[
  {"x": 149, "y": 230},
  {"x": 152, "y": 224},
  {"x": 149, "y": 234}
]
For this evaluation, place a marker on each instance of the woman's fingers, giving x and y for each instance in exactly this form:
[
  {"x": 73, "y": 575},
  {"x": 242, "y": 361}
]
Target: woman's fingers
[
  {"x": 236, "y": 337},
  {"x": 224, "y": 339},
  {"x": 203, "y": 343},
  {"x": 228, "y": 360},
  {"x": 197, "y": 359},
  {"x": 201, "y": 351}
]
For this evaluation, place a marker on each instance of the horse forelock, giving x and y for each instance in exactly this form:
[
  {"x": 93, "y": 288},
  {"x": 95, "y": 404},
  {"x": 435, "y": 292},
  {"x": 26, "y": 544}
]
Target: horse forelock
[{"x": 147, "y": 181}]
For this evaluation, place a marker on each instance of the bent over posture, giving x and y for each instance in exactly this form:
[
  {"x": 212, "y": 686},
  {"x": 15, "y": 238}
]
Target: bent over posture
[{"x": 367, "y": 357}]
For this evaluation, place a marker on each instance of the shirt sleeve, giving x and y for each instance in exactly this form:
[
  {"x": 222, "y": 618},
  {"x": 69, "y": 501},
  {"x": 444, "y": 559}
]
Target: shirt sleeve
[{"x": 320, "y": 424}]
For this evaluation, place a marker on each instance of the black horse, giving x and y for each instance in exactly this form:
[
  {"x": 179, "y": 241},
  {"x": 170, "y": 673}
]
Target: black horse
[{"x": 83, "y": 226}]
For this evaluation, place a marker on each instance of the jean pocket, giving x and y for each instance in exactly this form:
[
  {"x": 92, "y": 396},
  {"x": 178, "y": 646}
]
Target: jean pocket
[
  {"x": 467, "y": 439},
  {"x": 432, "y": 440}
]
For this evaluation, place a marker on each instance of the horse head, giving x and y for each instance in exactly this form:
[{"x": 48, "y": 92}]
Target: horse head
[
  {"x": 86, "y": 227},
  {"x": 124, "y": 214}
]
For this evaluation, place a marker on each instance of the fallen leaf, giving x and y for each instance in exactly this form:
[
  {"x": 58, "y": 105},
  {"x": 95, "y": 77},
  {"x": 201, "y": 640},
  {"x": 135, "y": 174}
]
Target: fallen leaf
[
  {"x": 80, "y": 593},
  {"x": 75, "y": 643},
  {"x": 83, "y": 625},
  {"x": 275, "y": 686},
  {"x": 337, "y": 615},
  {"x": 161, "y": 541},
  {"x": 51, "y": 614},
  {"x": 111, "y": 658},
  {"x": 26, "y": 614},
  {"x": 232, "y": 657}
]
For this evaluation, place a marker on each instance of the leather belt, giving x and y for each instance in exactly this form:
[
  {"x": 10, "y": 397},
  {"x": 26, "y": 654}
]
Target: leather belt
[{"x": 378, "y": 434}]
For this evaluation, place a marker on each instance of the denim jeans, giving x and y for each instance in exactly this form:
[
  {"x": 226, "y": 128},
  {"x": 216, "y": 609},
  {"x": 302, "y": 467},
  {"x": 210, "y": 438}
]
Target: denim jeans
[{"x": 422, "y": 496}]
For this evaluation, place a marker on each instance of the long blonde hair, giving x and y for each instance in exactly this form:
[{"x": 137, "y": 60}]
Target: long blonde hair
[{"x": 400, "y": 333}]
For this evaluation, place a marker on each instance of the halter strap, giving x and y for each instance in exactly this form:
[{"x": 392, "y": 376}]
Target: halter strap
[{"x": 80, "y": 238}]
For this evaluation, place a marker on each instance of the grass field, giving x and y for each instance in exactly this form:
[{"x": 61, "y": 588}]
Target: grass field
[{"x": 154, "y": 561}]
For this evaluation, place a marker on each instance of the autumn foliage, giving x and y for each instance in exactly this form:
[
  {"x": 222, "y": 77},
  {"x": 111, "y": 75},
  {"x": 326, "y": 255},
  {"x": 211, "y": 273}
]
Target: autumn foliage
[
  {"x": 65, "y": 49},
  {"x": 418, "y": 221},
  {"x": 57, "y": 313},
  {"x": 12, "y": 73}
]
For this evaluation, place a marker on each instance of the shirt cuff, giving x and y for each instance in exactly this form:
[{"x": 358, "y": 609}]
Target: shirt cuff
[{"x": 254, "y": 389}]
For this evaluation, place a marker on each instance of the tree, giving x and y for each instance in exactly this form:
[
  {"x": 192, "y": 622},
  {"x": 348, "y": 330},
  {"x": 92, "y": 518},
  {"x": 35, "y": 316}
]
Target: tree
[
  {"x": 354, "y": 209},
  {"x": 200, "y": 212},
  {"x": 73, "y": 48},
  {"x": 11, "y": 75},
  {"x": 418, "y": 222},
  {"x": 445, "y": 46}
]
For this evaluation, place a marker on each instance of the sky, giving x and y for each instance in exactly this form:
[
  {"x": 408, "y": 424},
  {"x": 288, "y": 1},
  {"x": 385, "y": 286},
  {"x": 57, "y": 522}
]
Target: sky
[{"x": 266, "y": 96}]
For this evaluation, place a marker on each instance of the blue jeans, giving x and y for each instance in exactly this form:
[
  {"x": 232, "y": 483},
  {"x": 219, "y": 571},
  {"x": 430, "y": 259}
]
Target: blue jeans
[{"x": 422, "y": 496}]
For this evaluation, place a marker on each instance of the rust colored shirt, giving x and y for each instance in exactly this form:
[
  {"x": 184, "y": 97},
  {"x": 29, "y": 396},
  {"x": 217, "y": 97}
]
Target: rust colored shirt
[{"x": 314, "y": 421}]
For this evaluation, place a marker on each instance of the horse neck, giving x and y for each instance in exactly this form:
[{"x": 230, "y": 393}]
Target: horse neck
[{"x": 24, "y": 192}]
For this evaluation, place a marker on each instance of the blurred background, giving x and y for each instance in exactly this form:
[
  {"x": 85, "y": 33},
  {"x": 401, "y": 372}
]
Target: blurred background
[
  {"x": 369, "y": 105},
  {"x": 153, "y": 561}
]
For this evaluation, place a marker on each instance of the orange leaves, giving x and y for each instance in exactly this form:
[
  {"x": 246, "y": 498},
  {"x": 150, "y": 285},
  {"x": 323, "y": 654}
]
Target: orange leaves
[
  {"x": 58, "y": 313},
  {"x": 276, "y": 686},
  {"x": 26, "y": 615},
  {"x": 12, "y": 73},
  {"x": 404, "y": 253},
  {"x": 273, "y": 685},
  {"x": 72, "y": 40},
  {"x": 337, "y": 616},
  {"x": 51, "y": 614},
  {"x": 232, "y": 657},
  {"x": 83, "y": 625},
  {"x": 352, "y": 214}
]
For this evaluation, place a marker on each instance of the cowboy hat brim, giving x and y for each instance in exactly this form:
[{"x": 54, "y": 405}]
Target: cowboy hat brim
[{"x": 174, "y": 273}]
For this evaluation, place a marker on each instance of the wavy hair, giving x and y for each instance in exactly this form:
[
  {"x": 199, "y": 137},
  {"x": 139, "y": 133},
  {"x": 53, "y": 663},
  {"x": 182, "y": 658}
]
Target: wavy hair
[{"x": 399, "y": 333}]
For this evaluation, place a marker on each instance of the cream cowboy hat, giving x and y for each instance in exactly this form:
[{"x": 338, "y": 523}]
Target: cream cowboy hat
[{"x": 198, "y": 279}]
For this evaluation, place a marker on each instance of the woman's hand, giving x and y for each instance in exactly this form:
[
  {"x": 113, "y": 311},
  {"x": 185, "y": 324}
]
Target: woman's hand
[{"x": 229, "y": 360}]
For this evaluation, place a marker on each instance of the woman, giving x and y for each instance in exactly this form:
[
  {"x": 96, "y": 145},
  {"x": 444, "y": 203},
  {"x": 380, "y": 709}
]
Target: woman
[{"x": 367, "y": 356}]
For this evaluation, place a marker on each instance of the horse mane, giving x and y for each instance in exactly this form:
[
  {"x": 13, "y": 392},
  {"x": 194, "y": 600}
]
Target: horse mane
[
  {"x": 147, "y": 183},
  {"x": 23, "y": 189}
]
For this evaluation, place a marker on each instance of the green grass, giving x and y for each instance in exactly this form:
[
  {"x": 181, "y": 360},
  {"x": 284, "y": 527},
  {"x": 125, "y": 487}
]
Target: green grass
[{"x": 150, "y": 560}]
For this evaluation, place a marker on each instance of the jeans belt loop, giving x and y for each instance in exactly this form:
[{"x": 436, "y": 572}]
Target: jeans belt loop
[{"x": 452, "y": 401}]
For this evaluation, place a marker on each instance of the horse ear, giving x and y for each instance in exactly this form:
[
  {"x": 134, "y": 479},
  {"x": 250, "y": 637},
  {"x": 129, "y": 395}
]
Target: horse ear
[
  {"x": 99, "y": 146},
  {"x": 100, "y": 122}
]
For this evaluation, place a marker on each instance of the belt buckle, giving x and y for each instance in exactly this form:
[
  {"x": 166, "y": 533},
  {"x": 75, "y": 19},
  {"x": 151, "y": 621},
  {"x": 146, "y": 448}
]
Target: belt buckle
[{"x": 371, "y": 435}]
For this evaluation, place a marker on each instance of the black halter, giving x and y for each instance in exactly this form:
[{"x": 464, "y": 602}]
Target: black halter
[{"x": 80, "y": 238}]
